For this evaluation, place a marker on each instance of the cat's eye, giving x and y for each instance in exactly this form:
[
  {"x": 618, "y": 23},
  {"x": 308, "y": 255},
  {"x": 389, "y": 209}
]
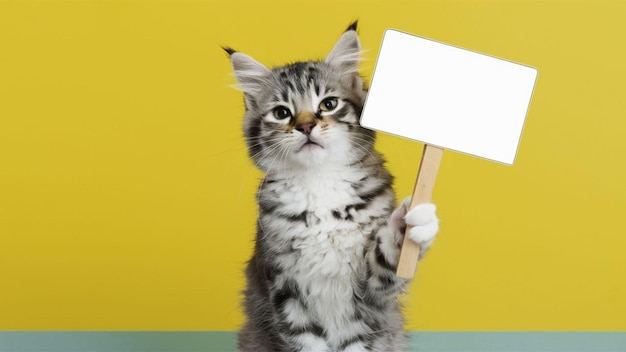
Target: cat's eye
[
  {"x": 329, "y": 104},
  {"x": 281, "y": 113}
]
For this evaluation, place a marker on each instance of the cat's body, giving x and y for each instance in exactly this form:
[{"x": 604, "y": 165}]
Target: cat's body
[{"x": 322, "y": 274}]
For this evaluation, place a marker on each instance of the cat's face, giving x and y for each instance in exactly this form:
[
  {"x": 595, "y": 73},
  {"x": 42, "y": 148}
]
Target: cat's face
[{"x": 305, "y": 115}]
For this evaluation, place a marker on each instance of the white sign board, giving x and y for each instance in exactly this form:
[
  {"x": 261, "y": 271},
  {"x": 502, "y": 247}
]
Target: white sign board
[{"x": 448, "y": 97}]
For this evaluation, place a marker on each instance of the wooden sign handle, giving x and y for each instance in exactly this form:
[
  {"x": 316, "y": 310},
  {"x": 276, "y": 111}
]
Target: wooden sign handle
[{"x": 422, "y": 193}]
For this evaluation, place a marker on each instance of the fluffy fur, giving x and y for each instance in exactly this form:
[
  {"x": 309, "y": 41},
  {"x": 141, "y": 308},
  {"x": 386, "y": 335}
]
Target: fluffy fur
[{"x": 322, "y": 274}]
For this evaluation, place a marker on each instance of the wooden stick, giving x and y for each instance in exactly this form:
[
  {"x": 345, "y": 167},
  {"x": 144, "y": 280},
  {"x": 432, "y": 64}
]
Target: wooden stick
[{"x": 422, "y": 193}]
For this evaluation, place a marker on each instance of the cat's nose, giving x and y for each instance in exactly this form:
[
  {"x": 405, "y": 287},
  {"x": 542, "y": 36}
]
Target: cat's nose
[
  {"x": 305, "y": 121},
  {"x": 305, "y": 128}
]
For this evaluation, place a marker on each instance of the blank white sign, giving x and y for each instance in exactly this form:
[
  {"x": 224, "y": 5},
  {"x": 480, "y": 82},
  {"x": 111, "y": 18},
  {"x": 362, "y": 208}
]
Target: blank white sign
[{"x": 448, "y": 97}]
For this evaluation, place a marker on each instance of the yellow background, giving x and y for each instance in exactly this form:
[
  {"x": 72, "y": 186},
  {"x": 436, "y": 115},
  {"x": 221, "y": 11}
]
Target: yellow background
[{"x": 127, "y": 200}]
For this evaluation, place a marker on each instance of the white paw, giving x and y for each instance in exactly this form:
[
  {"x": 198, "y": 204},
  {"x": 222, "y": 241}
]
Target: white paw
[
  {"x": 423, "y": 224},
  {"x": 422, "y": 221}
]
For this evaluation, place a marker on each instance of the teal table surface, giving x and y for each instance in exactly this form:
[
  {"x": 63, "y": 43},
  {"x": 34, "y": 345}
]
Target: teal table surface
[{"x": 224, "y": 341}]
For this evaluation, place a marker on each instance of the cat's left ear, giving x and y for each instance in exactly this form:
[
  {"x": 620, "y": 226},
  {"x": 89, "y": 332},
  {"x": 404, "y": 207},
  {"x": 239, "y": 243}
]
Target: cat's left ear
[
  {"x": 252, "y": 76},
  {"x": 346, "y": 53}
]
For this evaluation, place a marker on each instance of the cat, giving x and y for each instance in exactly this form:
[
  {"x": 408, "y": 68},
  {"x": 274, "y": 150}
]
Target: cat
[{"x": 327, "y": 244}]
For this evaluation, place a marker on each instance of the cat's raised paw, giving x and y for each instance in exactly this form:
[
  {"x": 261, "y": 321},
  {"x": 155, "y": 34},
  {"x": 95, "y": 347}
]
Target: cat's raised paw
[{"x": 422, "y": 221}]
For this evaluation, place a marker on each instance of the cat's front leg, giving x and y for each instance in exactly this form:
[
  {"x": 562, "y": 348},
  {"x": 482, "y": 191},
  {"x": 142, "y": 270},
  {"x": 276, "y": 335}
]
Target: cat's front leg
[
  {"x": 310, "y": 343},
  {"x": 294, "y": 321},
  {"x": 423, "y": 227},
  {"x": 422, "y": 220},
  {"x": 385, "y": 253}
]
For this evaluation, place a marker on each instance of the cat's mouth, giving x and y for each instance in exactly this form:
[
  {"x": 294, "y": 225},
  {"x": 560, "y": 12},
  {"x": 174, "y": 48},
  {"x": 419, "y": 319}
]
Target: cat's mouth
[{"x": 309, "y": 144}]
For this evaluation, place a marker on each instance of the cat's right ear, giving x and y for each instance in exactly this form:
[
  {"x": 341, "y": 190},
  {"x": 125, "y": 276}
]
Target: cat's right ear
[
  {"x": 346, "y": 54},
  {"x": 252, "y": 77}
]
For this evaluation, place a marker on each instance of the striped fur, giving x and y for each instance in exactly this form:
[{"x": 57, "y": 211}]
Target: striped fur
[{"x": 322, "y": 274}]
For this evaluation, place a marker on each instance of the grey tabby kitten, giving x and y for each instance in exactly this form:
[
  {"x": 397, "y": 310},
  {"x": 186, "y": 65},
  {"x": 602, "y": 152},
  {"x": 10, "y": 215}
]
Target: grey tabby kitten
[{"x": 327, "y": 243}]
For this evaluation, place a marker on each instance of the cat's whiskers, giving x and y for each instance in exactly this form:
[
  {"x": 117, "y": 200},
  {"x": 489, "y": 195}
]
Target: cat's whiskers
[
  {"x": 367, "y": 150},
  {"x": 273, "y": 144},
  {"x": 267, "y": 173}
]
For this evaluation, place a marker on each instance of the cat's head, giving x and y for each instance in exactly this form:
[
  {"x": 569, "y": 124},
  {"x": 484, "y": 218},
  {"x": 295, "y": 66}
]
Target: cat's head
[{"x": 305, "y": 114}]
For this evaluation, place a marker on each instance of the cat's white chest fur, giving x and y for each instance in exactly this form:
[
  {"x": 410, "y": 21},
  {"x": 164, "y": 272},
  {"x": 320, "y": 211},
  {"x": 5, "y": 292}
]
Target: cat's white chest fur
[
  {"x": 329, "y": 246},
  {"x": 319, "y": 192},
  {"x": 329, "y": 253}
]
